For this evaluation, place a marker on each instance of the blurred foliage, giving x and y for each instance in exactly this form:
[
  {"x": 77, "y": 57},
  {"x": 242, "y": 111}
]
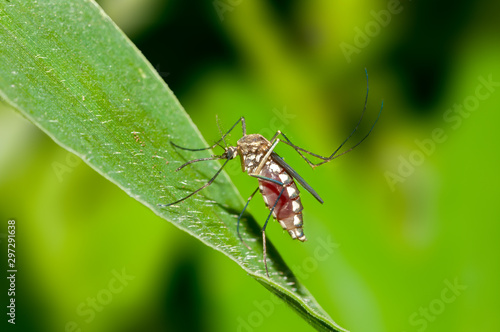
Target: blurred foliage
[{"x": 396, "y": 250}]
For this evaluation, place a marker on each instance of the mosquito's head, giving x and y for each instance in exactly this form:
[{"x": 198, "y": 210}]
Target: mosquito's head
[{"x": 230, "y": 152}]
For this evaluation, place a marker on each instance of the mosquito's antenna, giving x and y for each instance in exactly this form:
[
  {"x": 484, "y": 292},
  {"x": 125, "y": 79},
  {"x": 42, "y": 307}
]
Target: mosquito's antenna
[
  {"x": 201, "y": 159},
  {"x": 220, "y": 131},
  {"x": 197, "y": 190},
  {"x": 242, "y": 119}
]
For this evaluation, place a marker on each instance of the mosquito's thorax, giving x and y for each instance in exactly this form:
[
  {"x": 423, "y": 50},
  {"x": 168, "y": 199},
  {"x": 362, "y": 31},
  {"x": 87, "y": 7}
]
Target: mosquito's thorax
[{"x": 252, "y": 149}]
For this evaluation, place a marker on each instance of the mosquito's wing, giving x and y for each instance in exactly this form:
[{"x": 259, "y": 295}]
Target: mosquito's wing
[{"x": 295, "y": 175}]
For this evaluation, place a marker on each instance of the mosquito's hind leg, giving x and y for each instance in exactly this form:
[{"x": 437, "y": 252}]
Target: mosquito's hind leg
[
  {"x": 269, "y": 216},
  {"x": 264, "y": 230},
  {"x": 244, "y": 129},
  {"x": 334, "y": 154}
]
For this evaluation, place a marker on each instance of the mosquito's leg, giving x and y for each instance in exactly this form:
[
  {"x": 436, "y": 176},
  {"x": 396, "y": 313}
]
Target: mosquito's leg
[
  {"x": 264, "y": 250},
  {"x": 267, "y": 179},
  {"x": 199, "y": 189},
  {"x": 197, "y": 160},
  {"x": 300, "y": 150},
  {"x": 334, "y": 154},
  {"x": 274, "y": 140},
  {"x": 264, "y": 231},
  {"x": 243, "y": 125},
  {"x": 266, "y": 157},
  {"x": 241, "y": 215},
  {"x": 269, "y": 216},
  {"x": 275, "y": 136}
]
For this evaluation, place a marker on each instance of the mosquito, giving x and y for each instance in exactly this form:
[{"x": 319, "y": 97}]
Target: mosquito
[{"x": 276, "y": 178}]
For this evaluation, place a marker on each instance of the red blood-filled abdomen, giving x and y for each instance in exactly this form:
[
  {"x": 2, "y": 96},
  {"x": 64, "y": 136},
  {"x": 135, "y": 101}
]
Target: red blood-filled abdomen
[{"x": 288, "y": 209}]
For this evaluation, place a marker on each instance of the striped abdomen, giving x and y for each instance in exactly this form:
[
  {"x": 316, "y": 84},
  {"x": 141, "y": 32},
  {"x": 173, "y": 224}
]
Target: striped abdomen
[{"x": 288, "y": 210}]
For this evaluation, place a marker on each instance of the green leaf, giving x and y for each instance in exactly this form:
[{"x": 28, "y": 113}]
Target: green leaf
[{"x": 67, "y": 68}]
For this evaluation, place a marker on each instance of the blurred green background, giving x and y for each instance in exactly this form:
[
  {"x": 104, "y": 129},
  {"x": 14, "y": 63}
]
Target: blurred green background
[{"x": 410, "y": 215}]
